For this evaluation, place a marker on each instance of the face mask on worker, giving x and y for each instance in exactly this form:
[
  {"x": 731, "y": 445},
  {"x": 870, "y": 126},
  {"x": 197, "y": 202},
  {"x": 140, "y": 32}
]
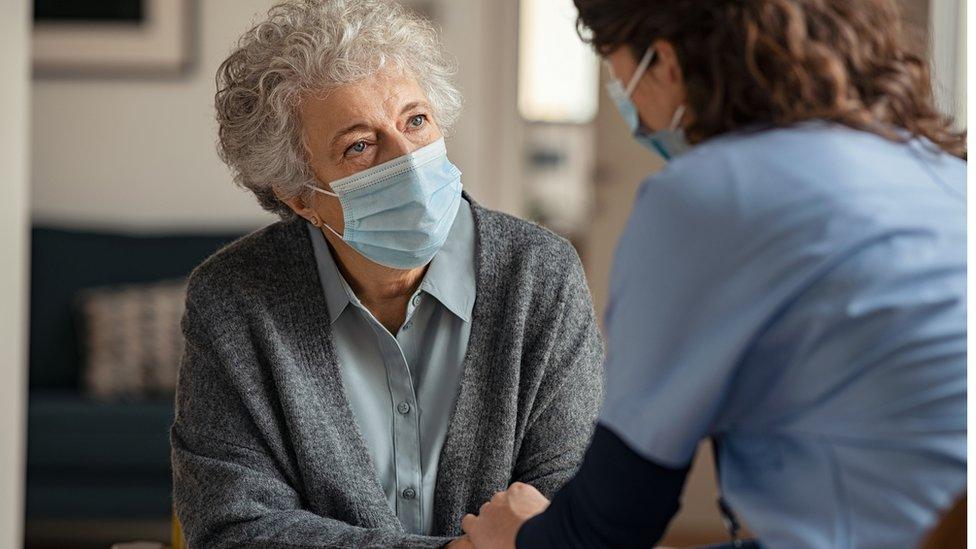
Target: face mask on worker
[
  {"x": 399, "y": 213},
  {"x": 668, "y": 143}
]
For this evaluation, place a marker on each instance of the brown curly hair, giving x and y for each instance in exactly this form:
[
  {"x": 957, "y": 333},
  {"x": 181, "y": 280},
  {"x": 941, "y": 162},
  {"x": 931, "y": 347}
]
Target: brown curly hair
[{"x": 779, "y": 62}]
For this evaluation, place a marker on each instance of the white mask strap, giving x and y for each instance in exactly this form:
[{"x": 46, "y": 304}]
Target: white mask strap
[
  {"x": 641, "y": 69},
  {"x": 321, "y": 190},
  {"x": 331, "y": 230},
  {"x": 327, "y": 193},
  {"x": 678, "y": 115}
]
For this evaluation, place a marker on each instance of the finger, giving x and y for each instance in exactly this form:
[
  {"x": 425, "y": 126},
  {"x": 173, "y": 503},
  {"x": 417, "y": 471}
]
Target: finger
[
  {"x": 517, "y": 487},
  {"x": 484, "y": 506},
  {"x": 498, "y": 496},
  {"x": 468, "y": 522}
]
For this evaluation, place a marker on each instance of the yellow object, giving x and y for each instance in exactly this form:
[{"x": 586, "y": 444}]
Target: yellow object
[{"x": 177, "y": 542}]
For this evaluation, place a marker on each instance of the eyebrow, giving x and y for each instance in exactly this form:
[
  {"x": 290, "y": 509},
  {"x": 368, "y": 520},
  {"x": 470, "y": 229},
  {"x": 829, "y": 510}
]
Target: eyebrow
[
  {"x": 362, "y": 126},
  {"x": 413, "y": 105},
  {"x": 357, "y": 127}
]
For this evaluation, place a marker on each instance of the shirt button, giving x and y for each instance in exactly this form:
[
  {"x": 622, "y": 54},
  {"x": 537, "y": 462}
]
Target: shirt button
[
  {"x": 416, "y": 300},
  {"x": 403, "y": 408},
  {"x": 409, "y": 493}
]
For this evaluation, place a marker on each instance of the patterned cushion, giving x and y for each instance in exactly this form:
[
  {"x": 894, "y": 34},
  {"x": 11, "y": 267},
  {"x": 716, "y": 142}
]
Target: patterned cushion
[{"x": 131, "y": 339}]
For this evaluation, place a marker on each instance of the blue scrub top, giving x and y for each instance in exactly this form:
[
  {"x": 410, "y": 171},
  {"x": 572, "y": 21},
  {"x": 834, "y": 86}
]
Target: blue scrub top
[{"x": 800, "y": 295}]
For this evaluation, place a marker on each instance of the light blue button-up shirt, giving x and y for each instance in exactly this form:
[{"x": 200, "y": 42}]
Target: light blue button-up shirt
[
  {"x": 800, "y": 295},
  {"x": 402, "y": 388}
]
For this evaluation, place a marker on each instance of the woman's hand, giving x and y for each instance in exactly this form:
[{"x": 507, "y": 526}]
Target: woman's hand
[{"x": 499, "y": 520}]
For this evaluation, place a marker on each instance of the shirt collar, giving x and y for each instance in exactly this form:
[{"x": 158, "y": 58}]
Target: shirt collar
[
  {"x": 338, "y": 294},
  {"x": 450, "y": 279}
]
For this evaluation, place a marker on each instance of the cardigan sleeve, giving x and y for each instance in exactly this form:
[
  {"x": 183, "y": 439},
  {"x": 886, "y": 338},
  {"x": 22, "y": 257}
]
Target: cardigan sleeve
[
  {"x": 228, "y": 489},
  {"x": 567, "y": 402}
]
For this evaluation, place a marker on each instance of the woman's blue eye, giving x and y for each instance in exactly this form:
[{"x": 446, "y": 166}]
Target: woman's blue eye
[
  {"x": 357, "y": 147},
  {"x": 418, "y": 120}
]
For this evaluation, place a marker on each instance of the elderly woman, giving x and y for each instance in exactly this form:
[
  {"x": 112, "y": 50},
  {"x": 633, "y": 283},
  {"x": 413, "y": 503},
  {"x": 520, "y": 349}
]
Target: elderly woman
[{"x": 390, "y": 354}]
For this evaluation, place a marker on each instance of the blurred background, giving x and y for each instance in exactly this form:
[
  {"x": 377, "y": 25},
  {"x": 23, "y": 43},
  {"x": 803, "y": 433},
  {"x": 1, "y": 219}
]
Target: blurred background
[{"x": 113, "y": 192}]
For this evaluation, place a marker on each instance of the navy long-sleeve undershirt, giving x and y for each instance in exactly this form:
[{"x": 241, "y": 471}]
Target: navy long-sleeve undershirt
[{"x": 617, "y": 499}]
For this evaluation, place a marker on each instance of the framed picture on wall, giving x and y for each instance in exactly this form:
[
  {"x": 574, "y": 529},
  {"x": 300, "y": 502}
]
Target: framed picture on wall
[{"x": 111, "y": 37}]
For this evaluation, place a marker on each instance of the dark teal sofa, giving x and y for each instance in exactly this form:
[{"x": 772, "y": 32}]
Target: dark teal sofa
[{"x": 89, "y": 459}]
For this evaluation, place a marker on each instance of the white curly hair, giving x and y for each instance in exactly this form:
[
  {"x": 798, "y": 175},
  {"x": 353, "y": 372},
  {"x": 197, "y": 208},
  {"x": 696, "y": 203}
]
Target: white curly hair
[{"x": 305, "y": 47}]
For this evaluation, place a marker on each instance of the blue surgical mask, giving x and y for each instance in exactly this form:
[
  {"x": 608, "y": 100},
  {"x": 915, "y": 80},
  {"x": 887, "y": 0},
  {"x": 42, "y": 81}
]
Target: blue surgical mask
[
  {"x": 668, "y": 143},
  {"x": 399, "y": 213}
]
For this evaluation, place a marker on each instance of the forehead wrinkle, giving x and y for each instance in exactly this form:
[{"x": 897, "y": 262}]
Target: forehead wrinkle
[{"x": 331, "y": 110}]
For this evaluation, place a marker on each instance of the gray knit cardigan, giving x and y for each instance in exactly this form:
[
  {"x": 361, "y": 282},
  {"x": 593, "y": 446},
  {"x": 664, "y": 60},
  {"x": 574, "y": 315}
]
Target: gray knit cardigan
[{"x": 266, "y": 451}]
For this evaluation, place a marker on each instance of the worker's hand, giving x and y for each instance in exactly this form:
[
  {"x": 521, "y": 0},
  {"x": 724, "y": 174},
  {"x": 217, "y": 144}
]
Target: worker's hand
[
  {"x": 499, "y": 520},
  {"x": 460, "y": 543}
]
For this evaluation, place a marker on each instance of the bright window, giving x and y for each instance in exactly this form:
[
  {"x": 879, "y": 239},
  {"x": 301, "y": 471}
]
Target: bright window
[{"x": 558, "y": 74}]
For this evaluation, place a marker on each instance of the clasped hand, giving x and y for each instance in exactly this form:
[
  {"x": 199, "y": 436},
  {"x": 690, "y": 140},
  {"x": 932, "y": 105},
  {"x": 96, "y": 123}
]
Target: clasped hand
[{"x": 499, "y": 520}]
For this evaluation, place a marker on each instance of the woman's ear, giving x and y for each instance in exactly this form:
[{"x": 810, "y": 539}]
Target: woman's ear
[
  {"x": 667, "y": 71},
  {"x": 301, "y": 208},
  {"x": 666, "y": 64}
]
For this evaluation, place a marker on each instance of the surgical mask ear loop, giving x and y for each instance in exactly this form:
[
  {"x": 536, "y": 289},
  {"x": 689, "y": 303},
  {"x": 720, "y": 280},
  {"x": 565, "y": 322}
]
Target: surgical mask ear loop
[
  {"x": 639, "y": 72},
  {"x": 679, "y": 114},
  {"x": 327, "y": 193}
]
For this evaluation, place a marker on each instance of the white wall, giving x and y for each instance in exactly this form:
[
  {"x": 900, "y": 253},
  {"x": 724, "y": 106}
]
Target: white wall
[
  {"x": 13, "y": 265},
  {"x": 488, "y": 142},
  {"x": 140, "y": 153},
  {"x": 947, "y": 29}
]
